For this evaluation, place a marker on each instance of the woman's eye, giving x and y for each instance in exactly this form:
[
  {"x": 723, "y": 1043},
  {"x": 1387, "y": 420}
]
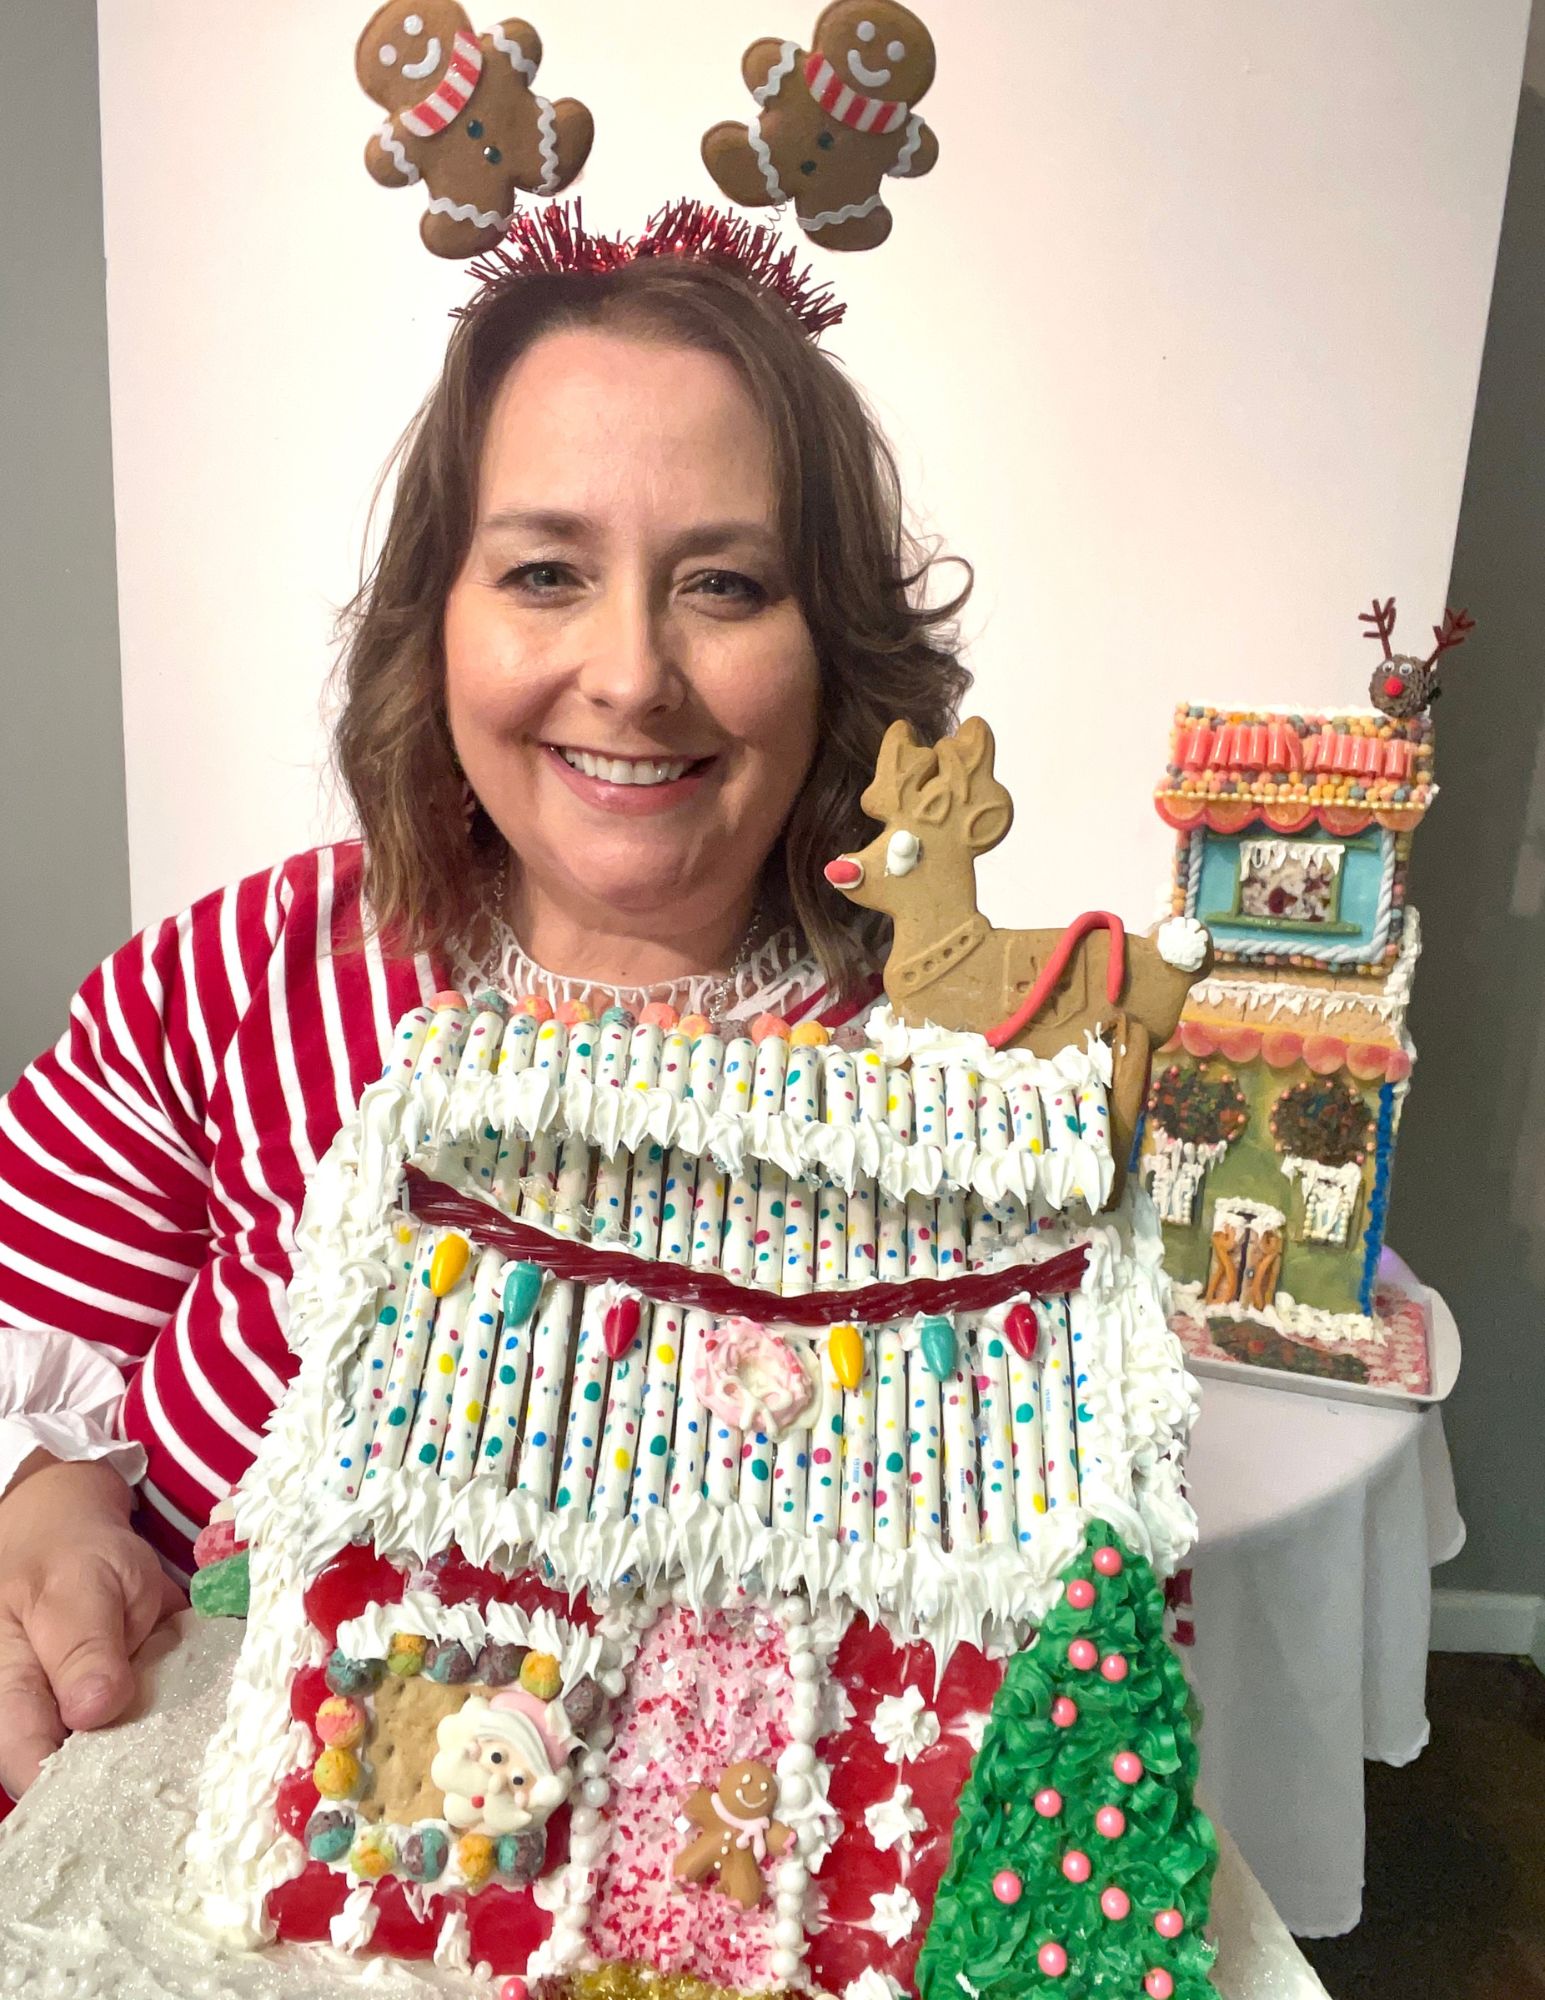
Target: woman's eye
[
  {"x": 729, "y": 586},
  {"x": 538, "y": 579}
]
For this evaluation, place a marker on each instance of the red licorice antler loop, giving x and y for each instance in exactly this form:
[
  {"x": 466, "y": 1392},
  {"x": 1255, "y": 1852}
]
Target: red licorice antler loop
[{"x": 554, "y": 239}]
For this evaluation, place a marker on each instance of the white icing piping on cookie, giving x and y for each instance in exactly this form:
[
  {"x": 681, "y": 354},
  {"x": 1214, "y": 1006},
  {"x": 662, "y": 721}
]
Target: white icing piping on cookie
[
  {"x": 507, "y": 46},
  {"x": 467, "y": 211},
  {"x": 908, "y": 153},
  {"x": 547, "y": 128},
  {"x": 788, "y": 55},
  {"x": 854, "y": 212},
  {"x": 390, "y": 143}
]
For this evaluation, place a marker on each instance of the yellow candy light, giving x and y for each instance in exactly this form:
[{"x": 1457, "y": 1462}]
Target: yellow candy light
[
  {"x": 452, "y": 1255},
  {"x": 846, "y": 1348}
]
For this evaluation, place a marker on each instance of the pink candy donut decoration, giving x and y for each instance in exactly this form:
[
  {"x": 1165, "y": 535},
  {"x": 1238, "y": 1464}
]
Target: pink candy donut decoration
[{"x": 751, "y": 1377}]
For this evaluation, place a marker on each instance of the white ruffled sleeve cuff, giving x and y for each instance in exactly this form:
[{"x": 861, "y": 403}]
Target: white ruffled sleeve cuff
[{"x": 61, "y": 1395}]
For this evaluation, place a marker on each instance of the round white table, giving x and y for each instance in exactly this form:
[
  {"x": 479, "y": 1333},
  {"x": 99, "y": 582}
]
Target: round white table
[{"x": 1321, "y": 1521}]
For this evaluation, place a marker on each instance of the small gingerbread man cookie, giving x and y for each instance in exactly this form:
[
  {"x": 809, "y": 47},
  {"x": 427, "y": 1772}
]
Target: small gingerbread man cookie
[
  {"x": 463, "y": 116},
  {"x": 833, "y": 123},
  {"x": 738, "y": 1833}
]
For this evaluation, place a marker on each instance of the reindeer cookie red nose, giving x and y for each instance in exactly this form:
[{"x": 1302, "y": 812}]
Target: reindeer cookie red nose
[
  {"x": 844, "y": 872},
  {"x": 1393, "y": 685}
]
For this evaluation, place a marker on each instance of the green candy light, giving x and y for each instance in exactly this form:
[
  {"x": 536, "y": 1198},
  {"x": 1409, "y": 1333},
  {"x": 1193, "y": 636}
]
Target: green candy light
[
  {"x": 522, "y": 1289},
  {"x": 940, "y": 1350}
]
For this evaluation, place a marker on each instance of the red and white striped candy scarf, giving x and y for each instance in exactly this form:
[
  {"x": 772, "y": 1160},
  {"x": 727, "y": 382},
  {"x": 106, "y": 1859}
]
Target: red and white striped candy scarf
[
  {"x": 449, "y": 97},
  {"x": 849, "y": 106}
]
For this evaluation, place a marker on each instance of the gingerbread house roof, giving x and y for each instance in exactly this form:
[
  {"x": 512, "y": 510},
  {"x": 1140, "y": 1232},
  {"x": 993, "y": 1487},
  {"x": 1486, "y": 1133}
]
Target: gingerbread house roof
[{"x": 1343, "y": 770}]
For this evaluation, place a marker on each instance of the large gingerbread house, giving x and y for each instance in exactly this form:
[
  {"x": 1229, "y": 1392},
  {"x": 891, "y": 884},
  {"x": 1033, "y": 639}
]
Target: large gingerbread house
[
  {"x": 717, "y": 1533},
  {"x": 1270, "y": 1135}
]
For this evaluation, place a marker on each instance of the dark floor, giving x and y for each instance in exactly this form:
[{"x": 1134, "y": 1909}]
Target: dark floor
[{"x": 1455, "y": 1903}]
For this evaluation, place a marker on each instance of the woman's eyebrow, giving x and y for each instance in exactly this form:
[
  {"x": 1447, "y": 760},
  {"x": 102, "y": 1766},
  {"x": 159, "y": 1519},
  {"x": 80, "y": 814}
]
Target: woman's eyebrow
[
  {"x": 713, "y": 535},
  {"x": 550, "y": 523}
]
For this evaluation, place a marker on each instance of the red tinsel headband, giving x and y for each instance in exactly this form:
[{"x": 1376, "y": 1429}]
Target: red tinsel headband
[{"x": 554, "y": 238}]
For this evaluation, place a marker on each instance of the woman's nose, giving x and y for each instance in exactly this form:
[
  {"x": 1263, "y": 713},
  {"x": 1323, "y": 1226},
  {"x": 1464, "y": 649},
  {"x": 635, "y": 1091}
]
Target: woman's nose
[{"x": 633, "y": 666}]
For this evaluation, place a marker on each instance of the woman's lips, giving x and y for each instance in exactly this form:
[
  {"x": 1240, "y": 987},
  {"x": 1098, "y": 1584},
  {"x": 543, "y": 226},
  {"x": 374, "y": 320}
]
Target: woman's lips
[{"x": 628, "y": 801}]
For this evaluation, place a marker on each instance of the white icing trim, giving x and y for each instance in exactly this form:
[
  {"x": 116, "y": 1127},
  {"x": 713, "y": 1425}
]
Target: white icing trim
[
  {"x": 1287, "y": 1315},
  {"x": 466, "y": 211},
  {"x": 783, "y": 63},
  {"x": 390, "y": 143},
  {"x": 547, "y": 133},
  {"x": 764, "y": 159},
  {"x": 508, "y": 46},
  {"x": 855, "y": 211},
  {"x": 908, "y": 153},
  {"x": 1299, "y": 945}
]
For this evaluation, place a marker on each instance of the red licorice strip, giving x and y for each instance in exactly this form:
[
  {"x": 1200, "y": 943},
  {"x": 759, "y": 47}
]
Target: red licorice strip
[
  {"x": 670, "y": 1284},
  {"x": 1057, "y": 964}
]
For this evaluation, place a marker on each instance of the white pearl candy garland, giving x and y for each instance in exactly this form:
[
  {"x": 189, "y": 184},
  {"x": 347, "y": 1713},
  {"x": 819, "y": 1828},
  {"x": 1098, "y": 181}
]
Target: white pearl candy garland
[{"x": 801, "y": 1785}]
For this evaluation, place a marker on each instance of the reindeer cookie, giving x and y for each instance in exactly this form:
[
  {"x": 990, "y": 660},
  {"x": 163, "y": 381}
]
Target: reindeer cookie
[
  {"x": 833, "y": 123},
  {"x": 463, "y": 117},
  {"x": 1039, "y": 990},
  {"x": 738, "y": 1833}
]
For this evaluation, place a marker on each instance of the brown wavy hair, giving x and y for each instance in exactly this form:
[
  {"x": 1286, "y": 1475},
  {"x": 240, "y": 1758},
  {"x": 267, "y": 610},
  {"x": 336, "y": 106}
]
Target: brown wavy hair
[{"x": 858, "y": 574}]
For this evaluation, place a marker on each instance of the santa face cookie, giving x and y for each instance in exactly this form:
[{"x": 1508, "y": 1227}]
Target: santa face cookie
[
  {"x": 464, "y": 117},
  {"x": 834, "y": 122}
]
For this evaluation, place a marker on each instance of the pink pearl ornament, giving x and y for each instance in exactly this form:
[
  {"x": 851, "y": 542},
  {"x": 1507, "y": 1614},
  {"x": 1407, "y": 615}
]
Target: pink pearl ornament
[
  {"x": 1116, "y": 1903},
  {"x": 1048, "y": 1803},
  {"x": 1064, "y": 1712},
  {"x": 1114, "y": 1667},
  {"x": 1169, "y": 1923},
  {"x": 1076, "y": 1865},
  {"x": 1082, "y": 1654},
  {"x": 513, "y": 1988},
  {"x": 1006, "y": 1886},
  {"x": 1052, "y": 1960},
  {"x": 1128, "y": 1766},
  {"x": 1108, "y": 1561},
  {"x": 1080, "y": 1593},
  {"x": 1158, "y": 1985},
  {"x": 1111, "y": 1821}
]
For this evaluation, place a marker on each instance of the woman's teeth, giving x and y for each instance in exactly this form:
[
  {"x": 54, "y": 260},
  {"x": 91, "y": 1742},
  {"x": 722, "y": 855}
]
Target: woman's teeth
[{"x": 628, "y": 770}]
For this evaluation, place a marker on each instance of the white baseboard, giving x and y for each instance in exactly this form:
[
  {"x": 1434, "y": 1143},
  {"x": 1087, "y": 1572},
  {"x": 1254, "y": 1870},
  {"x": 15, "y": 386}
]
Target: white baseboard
[{"x": 1489, "y": 1621}]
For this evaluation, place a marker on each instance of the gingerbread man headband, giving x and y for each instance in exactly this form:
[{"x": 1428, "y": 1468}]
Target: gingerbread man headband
[{"x": 832, "y": 124}]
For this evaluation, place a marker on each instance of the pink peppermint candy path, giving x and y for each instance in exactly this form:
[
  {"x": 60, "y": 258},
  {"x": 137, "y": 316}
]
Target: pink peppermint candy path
[{"x": 703, "y": 1693}]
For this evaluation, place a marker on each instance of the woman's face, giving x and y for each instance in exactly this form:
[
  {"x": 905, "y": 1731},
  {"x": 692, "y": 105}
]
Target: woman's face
[{"x": 631, "y": 685}]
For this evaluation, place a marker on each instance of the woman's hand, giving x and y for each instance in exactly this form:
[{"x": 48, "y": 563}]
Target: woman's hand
[{"x": 79, "y": 1593}]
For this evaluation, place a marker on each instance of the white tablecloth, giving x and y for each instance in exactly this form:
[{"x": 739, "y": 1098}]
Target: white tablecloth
[{"x": 1320, "y": 1523}]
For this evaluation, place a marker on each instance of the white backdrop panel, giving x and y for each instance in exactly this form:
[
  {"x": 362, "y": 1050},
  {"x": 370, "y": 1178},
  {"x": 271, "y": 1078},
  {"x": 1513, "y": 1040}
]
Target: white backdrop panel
[{"x": 1178, "y": 344}]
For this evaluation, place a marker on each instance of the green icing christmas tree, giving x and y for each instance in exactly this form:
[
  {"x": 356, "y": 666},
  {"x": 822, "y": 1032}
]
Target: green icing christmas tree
[{"x": 1081, "y": 1864}]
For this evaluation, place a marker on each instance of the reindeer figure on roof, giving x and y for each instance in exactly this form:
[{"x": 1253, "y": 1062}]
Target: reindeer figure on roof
[
  {"x": 1402, "y": 685},
  {"x": 939, "y": 809}
]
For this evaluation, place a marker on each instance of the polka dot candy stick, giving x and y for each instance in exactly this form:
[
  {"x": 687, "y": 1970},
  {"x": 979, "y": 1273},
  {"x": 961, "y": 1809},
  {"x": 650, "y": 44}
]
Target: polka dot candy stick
[
  {"x": 608, "y": 1214},
  {"x": 406, "y": 1372},
  {"x": 479, "y": 1053},
  {"x": 557, "y": 1048},
  {"x": 705, "y": 1081},
  {"x": 407, "y": 1040},
  {"x": 1089, "y": 1357},
  {"x": 957, "y": 1393},
  {"x": 1030, "y": 1136},
  {"x": 618, "y": 1448},
  {"x": 576, "y": 1156},
  {"x": 774, "y": 1060},
  {"x": 737, "y": 1257},
  {"x": 480, "y": 1339},
  {"x": 665, "y": 1325},
  {"x": 442, "y": 1363},
  {"x": 801, "y": 1105},
  {"x": 835, "y": 1249},
  {"x": 516, "y": 1049},
  {"x": 1054, "y": 1352},
  {"x": 988, "y": 1231},
  {"x": 1027, "y": 1447},
  {"x": 538, "y": 1184},
  {"x": 1095, "y": 1166},
  {"x": 360, "y": 1427},
  {"x": 886, "y": 1096},
  {"x": 995, "y": 1135},
  {"x": 1059, "y": 1163}
]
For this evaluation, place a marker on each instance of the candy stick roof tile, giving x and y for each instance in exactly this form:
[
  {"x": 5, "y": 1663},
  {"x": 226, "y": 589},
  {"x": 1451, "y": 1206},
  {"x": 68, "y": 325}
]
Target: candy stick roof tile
[{"x": 1339, "y": 769}]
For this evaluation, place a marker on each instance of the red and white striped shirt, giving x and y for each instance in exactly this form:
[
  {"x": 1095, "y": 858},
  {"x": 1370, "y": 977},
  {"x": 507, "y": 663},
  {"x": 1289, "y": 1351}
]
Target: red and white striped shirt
[{"x": 154, "y": 1162}]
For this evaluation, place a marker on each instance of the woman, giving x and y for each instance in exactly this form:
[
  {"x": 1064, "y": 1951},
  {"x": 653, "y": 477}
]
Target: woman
[{"x": 644, "y": 608}]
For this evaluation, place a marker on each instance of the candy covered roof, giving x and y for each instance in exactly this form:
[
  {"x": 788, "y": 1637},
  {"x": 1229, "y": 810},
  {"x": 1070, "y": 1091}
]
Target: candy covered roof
[{"x": 1343, "y": 770}]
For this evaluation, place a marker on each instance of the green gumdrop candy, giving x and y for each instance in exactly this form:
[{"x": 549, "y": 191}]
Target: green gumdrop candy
[
  {"x": 940, "y": 1351},
  {"x": 522, "y": 1288},
  {"x": 221, "y": 1590}
]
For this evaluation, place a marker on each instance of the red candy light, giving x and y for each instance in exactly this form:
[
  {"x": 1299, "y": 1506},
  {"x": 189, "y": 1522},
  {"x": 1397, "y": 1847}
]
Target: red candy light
[
  {"x": 1107, "y": 1561},
  {"x": 1020, "y": 1329}
]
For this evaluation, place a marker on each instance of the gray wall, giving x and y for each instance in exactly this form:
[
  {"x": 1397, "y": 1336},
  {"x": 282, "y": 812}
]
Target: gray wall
[
  {"x": 1469, "y": 1198},
  {"x": 64, "y": 858}
]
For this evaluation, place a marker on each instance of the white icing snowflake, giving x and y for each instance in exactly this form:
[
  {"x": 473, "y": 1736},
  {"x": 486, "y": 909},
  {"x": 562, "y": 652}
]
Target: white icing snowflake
[
  {"x": 872, "y": 1985},
  {"x": 904, "y": 1726},
  {"x": 893, "y": 1821},
  {"x": 895, "y": 1915},
  {"x": 973, "y": 1727}
]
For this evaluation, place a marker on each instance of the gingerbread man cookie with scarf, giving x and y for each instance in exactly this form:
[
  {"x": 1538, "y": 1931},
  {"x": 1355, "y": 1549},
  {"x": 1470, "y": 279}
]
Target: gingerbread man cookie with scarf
[
  {"x": 463, "y": 116},
  {"x": 737, "y": 1833},
  {"x": 833, "y": 123}
]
